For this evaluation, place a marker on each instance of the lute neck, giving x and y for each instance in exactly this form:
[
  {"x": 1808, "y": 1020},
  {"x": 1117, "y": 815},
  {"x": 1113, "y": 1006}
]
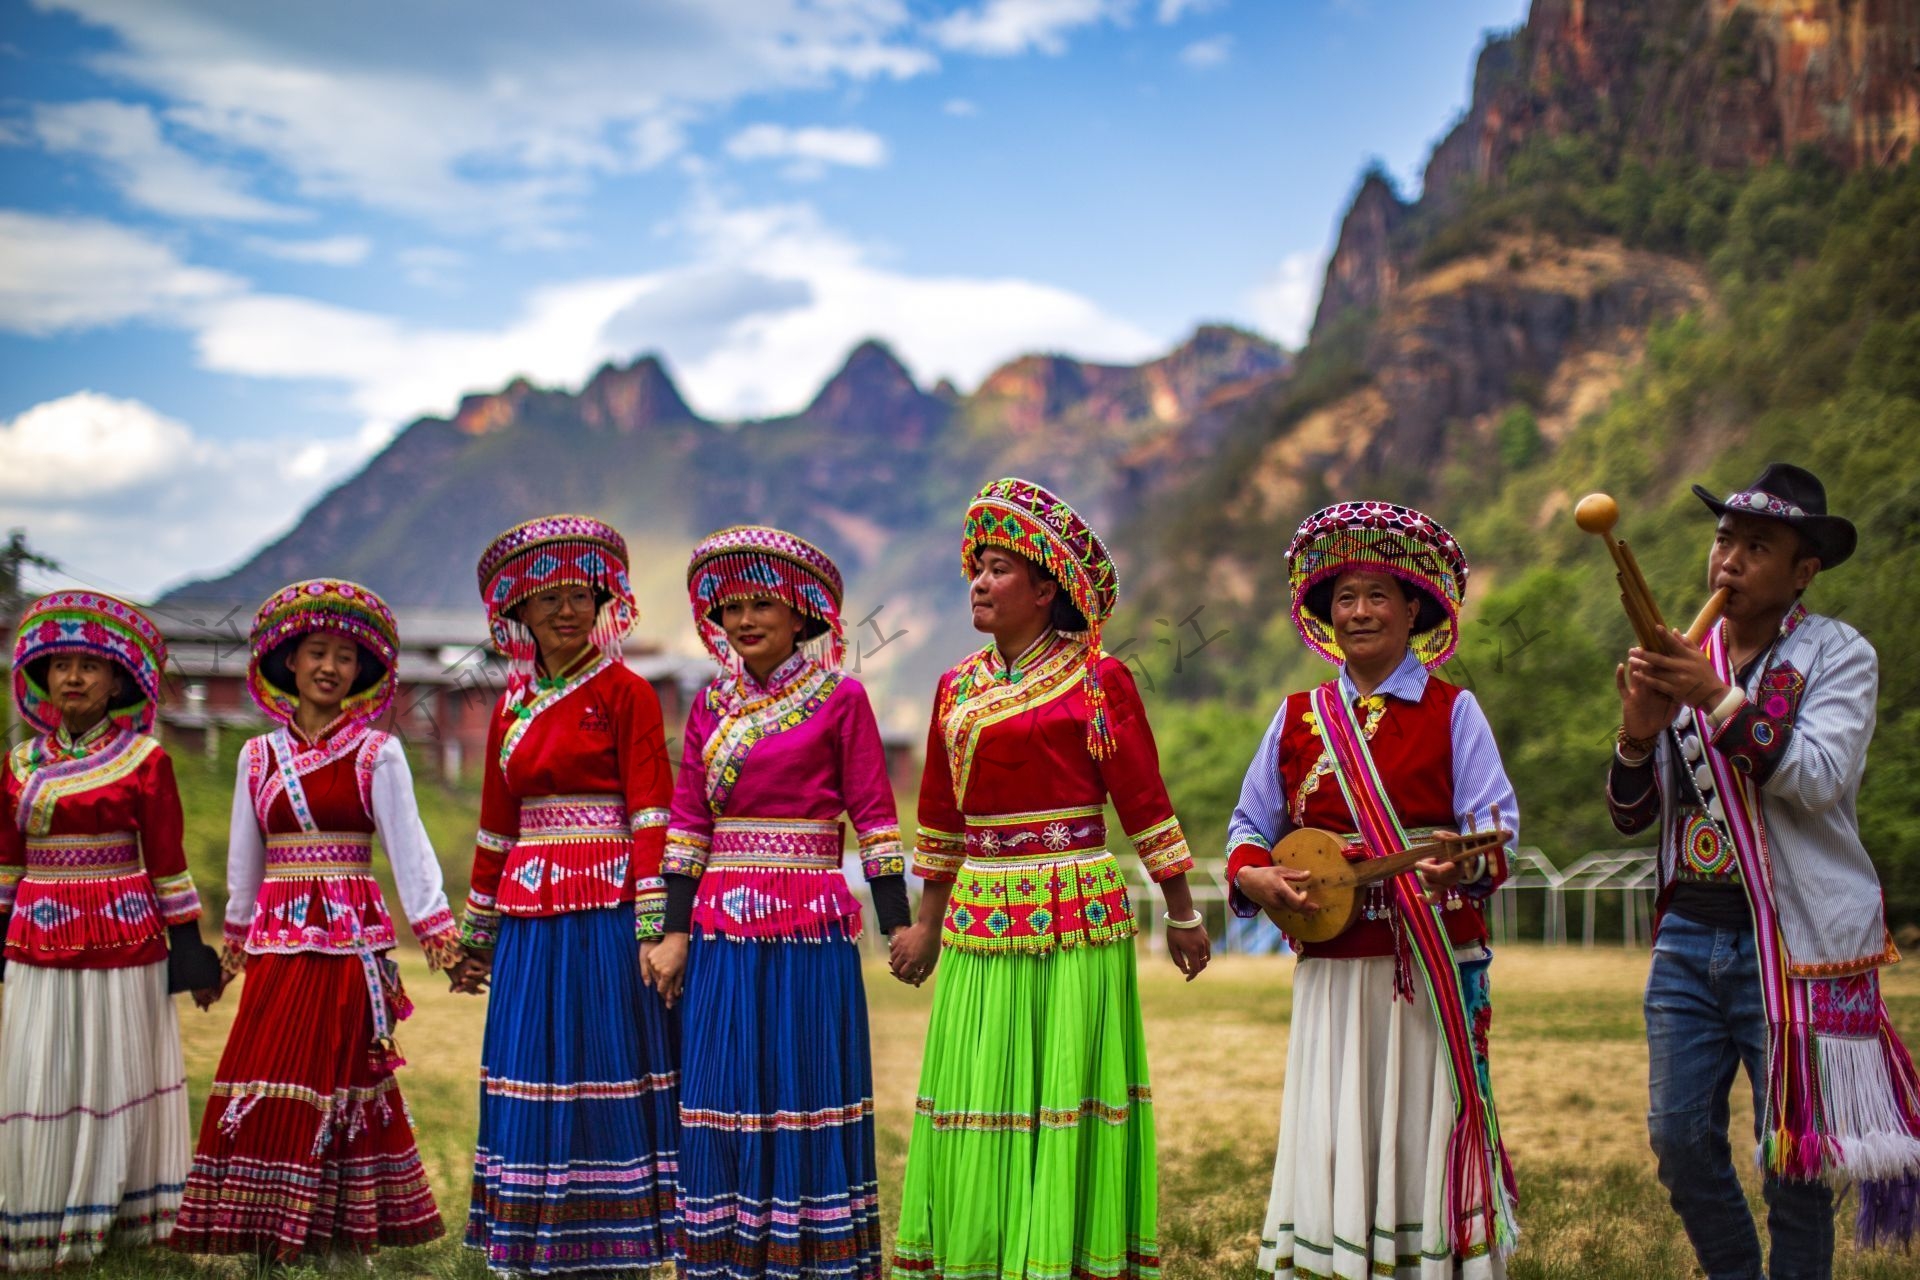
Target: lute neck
[{"x": 1446, "y": 849}]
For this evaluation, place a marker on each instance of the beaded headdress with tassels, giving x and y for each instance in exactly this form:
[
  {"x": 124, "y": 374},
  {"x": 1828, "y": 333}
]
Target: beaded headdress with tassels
[
  {"x": 1028, "y": 520},
  {"x": 100, "y": 626},
  {"x": 1381, "y": 537},
  {"x": 751, "y": 561},
  {"x": 332, "y": 605},
  {"x": 554, "y": 551}
]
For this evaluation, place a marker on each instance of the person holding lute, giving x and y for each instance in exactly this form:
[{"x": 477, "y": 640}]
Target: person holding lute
[{"x": 1390, "y": 1160}]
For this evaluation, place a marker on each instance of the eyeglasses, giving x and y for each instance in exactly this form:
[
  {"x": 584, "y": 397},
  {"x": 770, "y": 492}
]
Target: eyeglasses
[{"x": 547, "y": 604}]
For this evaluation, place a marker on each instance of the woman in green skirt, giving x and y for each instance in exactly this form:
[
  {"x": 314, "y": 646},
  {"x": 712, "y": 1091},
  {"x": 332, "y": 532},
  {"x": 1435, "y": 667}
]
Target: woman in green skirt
[{"x": 1033, "y": 1152}]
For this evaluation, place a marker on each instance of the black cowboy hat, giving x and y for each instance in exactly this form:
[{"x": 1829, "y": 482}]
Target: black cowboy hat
[{"x": 1794, "y": 496}]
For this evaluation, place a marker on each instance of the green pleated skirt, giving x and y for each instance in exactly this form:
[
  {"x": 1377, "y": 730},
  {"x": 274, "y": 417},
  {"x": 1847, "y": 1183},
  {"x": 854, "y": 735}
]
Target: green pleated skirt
[{"x": 1032, "y": 1155}]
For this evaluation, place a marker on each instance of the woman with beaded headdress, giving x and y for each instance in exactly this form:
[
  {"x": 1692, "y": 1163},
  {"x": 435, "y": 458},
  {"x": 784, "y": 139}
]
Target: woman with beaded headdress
[
  {"x": 1033, "y": 1137},
  {"x": 306, "y": 1144},
  {"x": 1390, "y": 1161},
  {"x": 575, "y": 1168},
  {"x": 777, "y": 1168},
  {"x": 99, "y": 914}
]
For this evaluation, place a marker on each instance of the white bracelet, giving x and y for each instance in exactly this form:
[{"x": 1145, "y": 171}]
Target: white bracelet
[
  {"x": 1727, "y": 706},
  {"x": 1193, "y": 923}
]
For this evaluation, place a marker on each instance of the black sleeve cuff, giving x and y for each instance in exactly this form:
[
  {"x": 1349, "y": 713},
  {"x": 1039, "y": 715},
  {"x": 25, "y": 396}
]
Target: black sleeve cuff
[
  {"x": 890, "y": 902},
  {"x": 680, "y": 891},
  {"x": 1633, "y": 801},
  {"x": 192, "y": 965}
]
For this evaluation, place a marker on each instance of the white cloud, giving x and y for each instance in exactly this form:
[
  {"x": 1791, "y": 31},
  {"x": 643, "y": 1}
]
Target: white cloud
[
  {"x": 59, "y": 274},
  {"x": 329, "y": 251},
  {"x": 1211, "y": 52},
  {"x": 125, "y": 142},
  {"x": 1006, "y": 27},
  {"x": 499, "y": 121},
  {"x": 810, "y": 149},
  {"x": 961, "y": 107},
  {"x": 1282, "y": 305},
  {"x": 88, "y": 445},
  {"x": 1171, "y": 11},
  {"x": 766, "y": 305},
  {"x": 123, "y": 496}
]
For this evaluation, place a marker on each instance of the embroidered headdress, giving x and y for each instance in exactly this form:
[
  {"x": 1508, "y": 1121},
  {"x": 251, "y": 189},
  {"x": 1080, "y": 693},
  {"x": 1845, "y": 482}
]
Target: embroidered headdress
[
  {"x": 323, "y": 604},
  {"x": 751, "y": 561},
  {"x": 1380, "y": 537},
  {"x": 550, "y": 552},
  {"x": 1021, "y": 517},
  {"x": 88, "y": 622}
]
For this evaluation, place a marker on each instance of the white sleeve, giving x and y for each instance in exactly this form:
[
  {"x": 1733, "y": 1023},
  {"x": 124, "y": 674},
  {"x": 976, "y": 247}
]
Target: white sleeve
[
  {"x": 416, "y": 871},
  {"x": 246, "y": 855}
]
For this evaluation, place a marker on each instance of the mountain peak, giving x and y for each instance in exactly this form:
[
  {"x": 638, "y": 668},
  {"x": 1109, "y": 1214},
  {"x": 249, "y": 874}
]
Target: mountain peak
[
  {"x": 873, "y": 392},
  {"x": 634, "y": 398}
]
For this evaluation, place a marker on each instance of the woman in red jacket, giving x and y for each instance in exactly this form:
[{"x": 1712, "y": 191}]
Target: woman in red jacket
[
  {"x": 99, "y": 914},
  {"x": 579, "y": 1068}
]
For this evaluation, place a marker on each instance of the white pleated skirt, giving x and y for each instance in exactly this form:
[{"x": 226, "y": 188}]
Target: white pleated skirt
[
  {"x": 94, "y": 1141},
  {"x": 1359, "y": 1184}
]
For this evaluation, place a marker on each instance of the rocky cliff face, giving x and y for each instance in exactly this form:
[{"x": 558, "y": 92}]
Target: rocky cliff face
[{"x": 1724, "y": 83}]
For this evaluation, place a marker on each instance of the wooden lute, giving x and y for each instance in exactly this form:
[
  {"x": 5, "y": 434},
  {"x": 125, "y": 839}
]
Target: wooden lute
[{"x": 1336, "y": 884}]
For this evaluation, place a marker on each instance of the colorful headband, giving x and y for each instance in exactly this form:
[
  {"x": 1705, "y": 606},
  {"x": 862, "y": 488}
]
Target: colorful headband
[
  {"x": 89, "y": 622},
  {"x": 1381, "y": 537},
  {"x": 323, "y": 604},
  {"x": 555, "y": 551},
  {"x": 1028, "y": 520},
  {"x": 750, "y": 561}
]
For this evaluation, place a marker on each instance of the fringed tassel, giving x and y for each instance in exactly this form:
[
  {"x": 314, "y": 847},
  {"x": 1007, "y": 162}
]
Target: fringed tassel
[
  {"x": 606, "y": 636},
  {"x": 798, "y": 904},
  {"x": 1867, "y": 1133},
  {"x": 1402, "y": 964},
  {"x": 1889, "y": 1212},
  {"x": 1473, "y": 1218},
  {"x": 523, "y": 656},
  {"x": 1100, "y": 740}
]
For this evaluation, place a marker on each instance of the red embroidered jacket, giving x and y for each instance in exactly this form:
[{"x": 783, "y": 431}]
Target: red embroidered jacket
[
  {"x": 92, "y": 869},
  {"x": 573, "y": 810},
  {"x": 1012, "y": 803}
]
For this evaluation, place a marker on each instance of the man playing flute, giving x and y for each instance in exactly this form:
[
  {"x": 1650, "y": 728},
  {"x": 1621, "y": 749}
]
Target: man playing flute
[{"x": 1748, "y": 751}]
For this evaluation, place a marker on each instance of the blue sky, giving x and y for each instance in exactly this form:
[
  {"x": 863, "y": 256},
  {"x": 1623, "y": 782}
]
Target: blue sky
[{"x": 241, "y": 244}]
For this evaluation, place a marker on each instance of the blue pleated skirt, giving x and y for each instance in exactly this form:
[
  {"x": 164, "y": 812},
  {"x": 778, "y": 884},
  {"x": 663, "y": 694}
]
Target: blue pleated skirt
[
  {"x": 576, "y": 1164},
  {"x": 777, "y": 1172}
]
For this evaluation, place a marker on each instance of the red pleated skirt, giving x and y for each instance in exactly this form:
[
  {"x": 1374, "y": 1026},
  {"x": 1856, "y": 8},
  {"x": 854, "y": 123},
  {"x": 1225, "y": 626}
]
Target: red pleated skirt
[{"x": 306, "y": 1145}]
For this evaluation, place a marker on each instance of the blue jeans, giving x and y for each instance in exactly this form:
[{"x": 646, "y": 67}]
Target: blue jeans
[{"x": 1704, "y": 1020}]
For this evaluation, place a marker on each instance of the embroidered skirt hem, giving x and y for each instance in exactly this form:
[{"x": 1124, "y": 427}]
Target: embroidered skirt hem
[
  {"x": 1359, "y": 1179},
  {"x": 1032, "y": 1153},
  {"x": 306, "y": 1144},
  {"x": 93, "y": 1113},
  {"x": 576, "y": 1167},
  {"x": 777, "y": 1166}
]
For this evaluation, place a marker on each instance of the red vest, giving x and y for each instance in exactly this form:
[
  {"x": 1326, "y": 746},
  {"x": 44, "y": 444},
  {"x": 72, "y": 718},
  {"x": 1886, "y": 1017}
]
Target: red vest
[{"x": 1413, "y": 750}]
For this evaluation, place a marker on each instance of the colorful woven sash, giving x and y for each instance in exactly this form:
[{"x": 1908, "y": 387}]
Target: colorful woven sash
[
  {"x": 116, "y": 853},
  {"x": 1035, "y": 835},
  {"x": 1480, "y": 1182},
  {"x": 319, "y": 855},
  {"x": 1843, "y": 1099}
]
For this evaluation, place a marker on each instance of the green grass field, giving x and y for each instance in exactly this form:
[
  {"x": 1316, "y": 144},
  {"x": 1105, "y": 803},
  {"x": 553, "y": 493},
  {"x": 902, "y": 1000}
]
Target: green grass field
[{"x": 1568, "y": 1058}]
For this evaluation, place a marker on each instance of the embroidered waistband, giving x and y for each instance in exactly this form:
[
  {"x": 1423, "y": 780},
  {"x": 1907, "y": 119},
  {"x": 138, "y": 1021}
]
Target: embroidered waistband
[
  {"x": 319, "y": 853},
  {"x": 115, "y": 853},
  {"x": 775, "y": 842},
  {"x": 1036, "y": 835},
  {"x": 547, "y": 819}
]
